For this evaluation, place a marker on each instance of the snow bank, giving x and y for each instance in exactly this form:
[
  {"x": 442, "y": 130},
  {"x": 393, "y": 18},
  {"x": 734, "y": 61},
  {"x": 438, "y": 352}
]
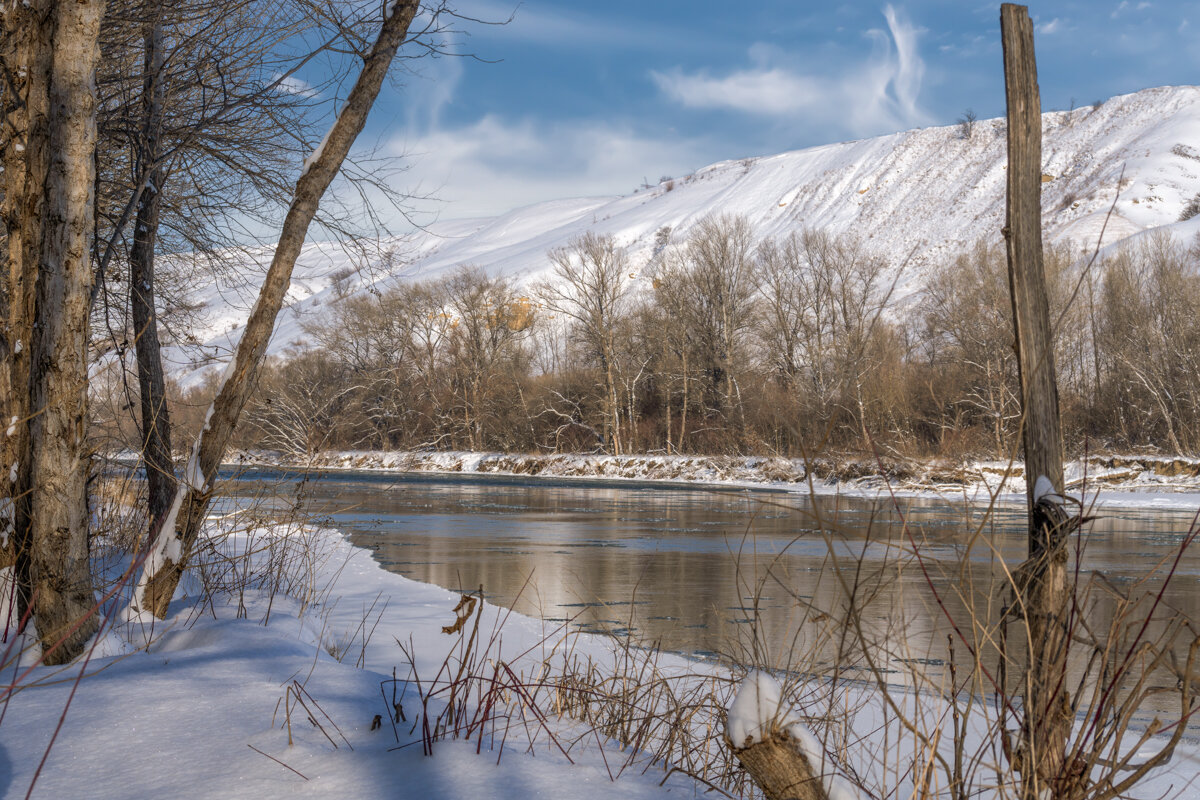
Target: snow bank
[
  {"x": 1140, "y": 481},
  {"x": 207, "y": 709}
]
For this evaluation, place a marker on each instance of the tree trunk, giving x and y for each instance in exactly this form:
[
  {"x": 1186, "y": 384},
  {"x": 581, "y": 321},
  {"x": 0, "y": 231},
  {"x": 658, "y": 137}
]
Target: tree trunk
[
  {"x": 779, "y": 768},
  {"x": 1045, "y": 592},
  {"x": 684, "y": 406},
  {"x": 168, "y": 556},
  {"x": 61, "y": 587},
  {"x": 27, "y": 53},
  {"x": 156, "y": 424}
]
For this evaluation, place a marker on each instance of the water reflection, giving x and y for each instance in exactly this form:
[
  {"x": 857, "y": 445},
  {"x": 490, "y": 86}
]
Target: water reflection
[{"x": 696, "y": 571}]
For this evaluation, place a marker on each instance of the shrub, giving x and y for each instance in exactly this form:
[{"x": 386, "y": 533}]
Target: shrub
[{"x": 1190, "y": 209}]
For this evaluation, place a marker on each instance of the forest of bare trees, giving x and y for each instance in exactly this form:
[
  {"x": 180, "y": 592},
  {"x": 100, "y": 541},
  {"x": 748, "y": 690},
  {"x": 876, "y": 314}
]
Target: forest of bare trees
[{"x": 727, "y": 343}]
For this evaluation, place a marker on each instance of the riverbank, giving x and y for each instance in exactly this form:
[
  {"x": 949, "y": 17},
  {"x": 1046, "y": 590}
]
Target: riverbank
[
  {"x": 293, "y": 665},
  {"x": 1111, "y": 479}
]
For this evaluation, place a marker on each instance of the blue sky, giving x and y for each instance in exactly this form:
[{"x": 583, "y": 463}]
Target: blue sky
[{"x": 574, "y": 98}]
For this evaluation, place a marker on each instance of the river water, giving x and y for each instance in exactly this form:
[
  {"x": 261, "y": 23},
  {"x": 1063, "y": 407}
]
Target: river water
[{"x": 717, "y": 572}]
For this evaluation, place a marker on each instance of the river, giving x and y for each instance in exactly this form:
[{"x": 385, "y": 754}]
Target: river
[{"x": 714, "y": 572}]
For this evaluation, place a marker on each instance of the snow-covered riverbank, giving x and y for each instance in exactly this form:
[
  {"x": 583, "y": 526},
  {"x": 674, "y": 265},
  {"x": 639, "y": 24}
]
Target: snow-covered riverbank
[
  {"x": 1128, "y": 480},
  {"x": 282, "y": 686}
]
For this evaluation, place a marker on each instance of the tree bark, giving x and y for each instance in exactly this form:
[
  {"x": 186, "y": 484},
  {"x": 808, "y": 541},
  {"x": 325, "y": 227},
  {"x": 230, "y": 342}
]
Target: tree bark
[
  {"x": 779, "y": 768},
  {"x": 156, "y": 424},
  {"x": 169, "y": 553},
  {"x": 61, "y": 587},
  {"x": 27, "y": 53},
  {"x": 1044, "y": 593}
]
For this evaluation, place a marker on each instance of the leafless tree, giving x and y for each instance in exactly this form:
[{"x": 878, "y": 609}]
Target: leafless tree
[
  {"x": 172, "y": 546},
  {"x": 820, "y": 318},
  {"x": 488, "y": 323},
  {"x": 968, "y": 326},
  {"x": 589, "y": 285},
  {"x": 1150, "y": 299},
  {"x": 49, "y": 53},
  {"x": 966, "y": 124},
  {"x": 709, "y": 281}
]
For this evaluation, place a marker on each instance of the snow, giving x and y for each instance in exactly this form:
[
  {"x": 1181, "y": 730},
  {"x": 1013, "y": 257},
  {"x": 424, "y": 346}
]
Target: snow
[
  {"x": 758, "y": 709},
  {"x": 198, "y": 705},
  {"x": 928, "y": 192},
  {"x": 193, "y": 476},
  {"x": 1109, "y": 481},
  {"x": 167, "y": 547},
  {"x": 8, "y": 609},
  {"x": 1043, "y": 489},
  {"x": 316, "y": 154},
  {"x": 179, "y": 718}
]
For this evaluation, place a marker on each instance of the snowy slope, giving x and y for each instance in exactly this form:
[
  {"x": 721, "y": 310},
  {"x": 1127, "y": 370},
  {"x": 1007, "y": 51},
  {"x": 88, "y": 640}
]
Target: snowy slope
[{"x": 916, "y": 196}]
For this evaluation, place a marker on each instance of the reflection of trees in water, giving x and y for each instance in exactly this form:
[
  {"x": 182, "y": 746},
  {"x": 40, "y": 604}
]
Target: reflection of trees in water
[{"x": 694, "y": 560}]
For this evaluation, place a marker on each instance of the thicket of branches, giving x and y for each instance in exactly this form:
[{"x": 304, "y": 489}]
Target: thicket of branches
[{"x": 725, "y": 343}]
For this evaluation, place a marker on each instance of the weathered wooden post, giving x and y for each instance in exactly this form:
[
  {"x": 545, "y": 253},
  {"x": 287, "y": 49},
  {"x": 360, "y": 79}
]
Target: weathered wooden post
[{"x": 1042, "y": 591}]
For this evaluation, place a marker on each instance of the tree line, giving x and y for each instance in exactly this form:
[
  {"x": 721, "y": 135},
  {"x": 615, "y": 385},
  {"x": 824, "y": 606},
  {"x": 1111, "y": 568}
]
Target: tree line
[{"x": 727, "y": 343}]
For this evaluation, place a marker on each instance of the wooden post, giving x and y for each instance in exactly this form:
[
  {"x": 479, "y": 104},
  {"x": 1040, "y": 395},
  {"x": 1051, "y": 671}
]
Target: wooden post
[{"x": 1043, "y": 594}]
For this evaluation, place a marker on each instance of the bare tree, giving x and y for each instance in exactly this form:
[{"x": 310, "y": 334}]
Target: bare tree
[
  {"x": 712, "y": 277},
  {"x": 819, "y": 321},
  {"x": 966, "y": 124},
  {"x": 50, "y": 52},
  {"x": 488, "y": 320},
  {"x": 590, "y": 285},
  {"x": 968, "y": 327},
  {"x": 1150, "y": 347},
  {"x": 171, "y": 548}
]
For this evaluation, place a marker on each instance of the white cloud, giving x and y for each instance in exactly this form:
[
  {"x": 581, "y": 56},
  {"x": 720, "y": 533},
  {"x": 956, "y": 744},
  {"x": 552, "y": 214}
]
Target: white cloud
[
  {"x": 290, "y": 84},
  {"x": 772, "y": 91},
  {"x": 880, "y": 94},
  {"x": 561, "y": 26},
  {"x": 492, "y": 165},
  {"x": 1053, "y": 26}
]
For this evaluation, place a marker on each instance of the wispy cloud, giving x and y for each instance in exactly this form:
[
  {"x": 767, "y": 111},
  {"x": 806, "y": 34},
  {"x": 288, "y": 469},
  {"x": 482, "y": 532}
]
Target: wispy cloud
[
  {"x": 493, "y": 165},
  {"x": 1125, "y": 6},
  {"x": 290, "y": 84},
  {"x": 878, "y": 94},
  {"x": 1053, "y": 26},
  {"x": 560, "y": 26}
]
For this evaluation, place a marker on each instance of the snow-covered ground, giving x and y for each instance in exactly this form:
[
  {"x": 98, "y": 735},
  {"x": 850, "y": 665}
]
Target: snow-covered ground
[
  {"x": 915, "y": 196},
  {"x": 276, "y": 676},
  {"x": 204, "y": 711},
  {"x": 1142, "y": 481}
]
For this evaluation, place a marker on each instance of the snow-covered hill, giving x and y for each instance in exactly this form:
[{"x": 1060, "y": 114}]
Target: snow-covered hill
[{"x": 921, "y": 193}]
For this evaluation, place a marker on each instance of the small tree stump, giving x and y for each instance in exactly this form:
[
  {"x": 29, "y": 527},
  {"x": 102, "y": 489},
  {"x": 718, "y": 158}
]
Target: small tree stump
[{"x": 779, "y": 767}]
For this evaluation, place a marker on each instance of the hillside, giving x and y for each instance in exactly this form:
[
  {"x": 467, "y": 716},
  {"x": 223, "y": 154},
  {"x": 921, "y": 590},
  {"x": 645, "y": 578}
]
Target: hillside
[{"x": 917, "y": 195}]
